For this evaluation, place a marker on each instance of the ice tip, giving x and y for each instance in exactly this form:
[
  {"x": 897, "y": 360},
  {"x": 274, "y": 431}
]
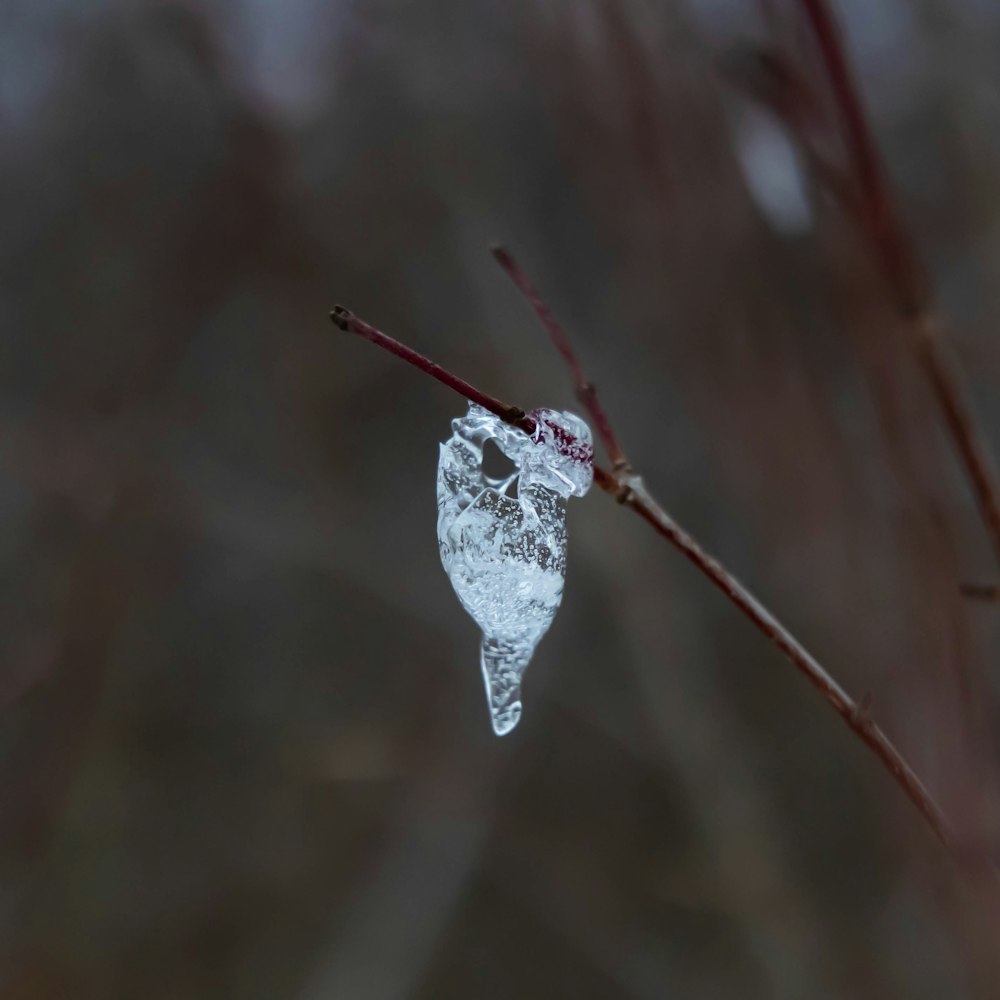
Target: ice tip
[{"x": 506, "y": 720}]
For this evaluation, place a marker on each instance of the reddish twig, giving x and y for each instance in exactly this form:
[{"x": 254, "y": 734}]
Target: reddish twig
[
  {"x": 854, "y": 123},
  {"x": 854, "y": 714},
  {"x": 586, "y": 391},
  {"x": 347, "y": 321},
  {"x": 941, "y": 369},
  {"x": 629, "y": 490}
]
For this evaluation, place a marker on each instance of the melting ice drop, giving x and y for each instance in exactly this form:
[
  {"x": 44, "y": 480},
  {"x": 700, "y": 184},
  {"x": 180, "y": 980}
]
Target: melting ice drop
[{"x": 506, "y": 554}]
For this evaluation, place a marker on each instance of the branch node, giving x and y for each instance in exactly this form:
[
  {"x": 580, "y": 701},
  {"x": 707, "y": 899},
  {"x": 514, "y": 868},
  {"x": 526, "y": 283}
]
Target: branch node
[
  {"x": 624, "y": 492},
  {"x": 861, "y": 713}
]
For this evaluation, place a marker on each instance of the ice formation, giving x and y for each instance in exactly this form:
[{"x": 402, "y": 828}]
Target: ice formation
[{"x": 503, "y": 541}]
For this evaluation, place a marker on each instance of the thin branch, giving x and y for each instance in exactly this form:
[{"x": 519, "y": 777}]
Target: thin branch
[
  {"x": 856, "y": 131},
  {"x": 904, "y": 271},
  {"x": 347, "y": 321},
  {"x": 586, "y": 391},
  {"x": 855, "y": 715},
  {"x": 629, "y": 490},
  {"x": 941, "y": 368}
]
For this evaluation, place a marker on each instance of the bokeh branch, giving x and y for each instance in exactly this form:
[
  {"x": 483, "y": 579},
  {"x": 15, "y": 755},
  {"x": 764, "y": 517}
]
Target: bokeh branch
[{"x": 873, "y": 209}]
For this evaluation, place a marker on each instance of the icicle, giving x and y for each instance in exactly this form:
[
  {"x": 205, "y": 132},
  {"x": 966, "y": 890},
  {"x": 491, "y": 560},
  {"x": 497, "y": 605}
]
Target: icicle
[{"x": 506, "y": 556}]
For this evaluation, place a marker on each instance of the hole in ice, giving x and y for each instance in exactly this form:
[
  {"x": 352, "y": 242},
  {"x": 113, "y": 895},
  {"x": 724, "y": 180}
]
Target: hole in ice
[
  {"x": 499, "y": 470},
  {"x": 496, "y": 465}
]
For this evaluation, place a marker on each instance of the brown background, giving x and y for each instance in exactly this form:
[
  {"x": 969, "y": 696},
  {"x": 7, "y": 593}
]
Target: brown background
[{"x": 244, "y": 750}]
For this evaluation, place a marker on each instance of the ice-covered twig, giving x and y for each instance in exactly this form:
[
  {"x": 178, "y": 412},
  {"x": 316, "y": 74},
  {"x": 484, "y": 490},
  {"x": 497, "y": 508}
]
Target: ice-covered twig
[{"x": 629, "y": 490}]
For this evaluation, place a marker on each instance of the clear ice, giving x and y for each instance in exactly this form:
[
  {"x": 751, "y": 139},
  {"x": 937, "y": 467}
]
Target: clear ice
[{"x": 503, "y": 541}]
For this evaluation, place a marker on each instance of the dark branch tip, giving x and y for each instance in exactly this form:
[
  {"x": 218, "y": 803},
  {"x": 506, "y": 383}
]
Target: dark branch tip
[{"x": 341, "y": 317}]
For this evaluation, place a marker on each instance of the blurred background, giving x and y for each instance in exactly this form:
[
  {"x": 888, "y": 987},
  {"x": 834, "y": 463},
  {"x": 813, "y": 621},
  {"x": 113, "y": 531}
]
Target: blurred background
[{"x": 244, "y": 747}]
